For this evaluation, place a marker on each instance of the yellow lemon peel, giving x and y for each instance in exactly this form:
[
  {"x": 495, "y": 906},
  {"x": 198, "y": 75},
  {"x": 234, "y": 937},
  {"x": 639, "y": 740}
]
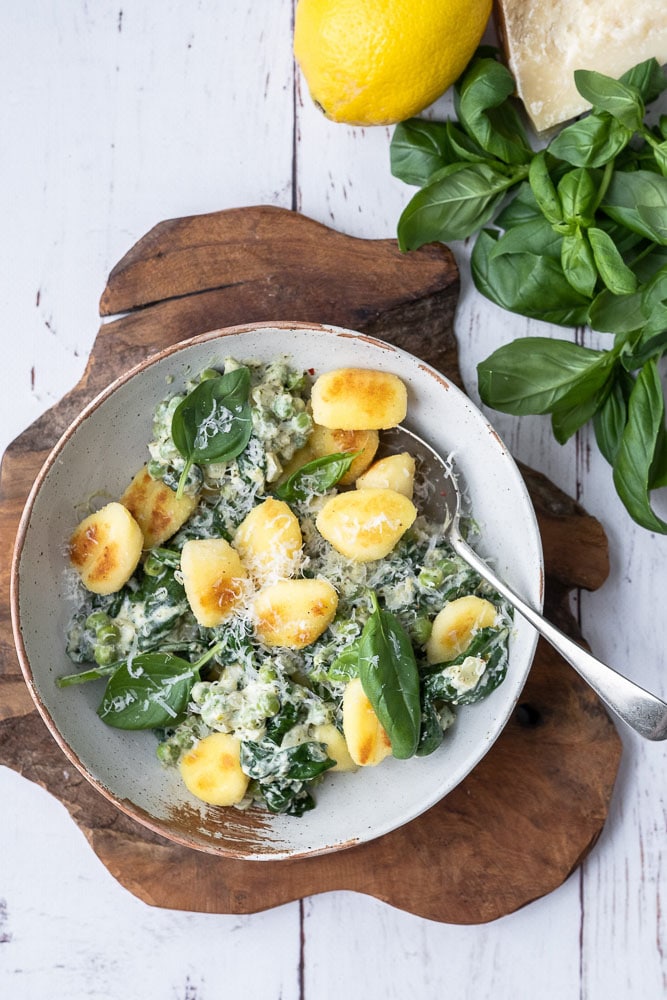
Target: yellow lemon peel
[{"x": 382, "y": 61}]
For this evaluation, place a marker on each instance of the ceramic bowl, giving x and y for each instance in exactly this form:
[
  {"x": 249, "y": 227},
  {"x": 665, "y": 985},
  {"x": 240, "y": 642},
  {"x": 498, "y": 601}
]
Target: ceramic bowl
[{"x": 98, "y": 454}]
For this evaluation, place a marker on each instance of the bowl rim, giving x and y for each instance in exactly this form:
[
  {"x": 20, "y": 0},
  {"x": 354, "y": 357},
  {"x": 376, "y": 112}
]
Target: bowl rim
[{"x": 133, "y": 810}]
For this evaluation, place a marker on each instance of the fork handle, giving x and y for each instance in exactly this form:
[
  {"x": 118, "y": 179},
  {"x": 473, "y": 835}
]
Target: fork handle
[{"x": 637, "y": 708}]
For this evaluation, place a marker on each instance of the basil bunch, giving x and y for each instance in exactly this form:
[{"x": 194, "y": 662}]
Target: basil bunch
[
  {"x": 213, "y": 423},
  {"x": 579, "y": 239}
]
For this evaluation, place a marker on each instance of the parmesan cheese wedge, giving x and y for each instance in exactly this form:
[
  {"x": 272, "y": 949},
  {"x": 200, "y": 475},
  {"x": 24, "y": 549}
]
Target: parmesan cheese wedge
[{"x": 545, "y": 43}]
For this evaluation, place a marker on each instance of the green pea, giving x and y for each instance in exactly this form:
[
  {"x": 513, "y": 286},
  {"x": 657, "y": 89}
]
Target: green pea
[
  {"x": 267, "y": 673},
  {"x": 156, "y": 470},
  {"x": 167, "y": 753},
  {"x": 303, "y": 422},
  {"x": 431, "y": 578},
  {"x": 153, "y": 566},
  {"x": 268, "y": 704},
  {"x": 97, "y": 619},
  {"x": 108, "y": 635},
  {"x": 104, "y": 656},
  {"x": 420, "y": 630},
  {"x": 283, "y": 406}
]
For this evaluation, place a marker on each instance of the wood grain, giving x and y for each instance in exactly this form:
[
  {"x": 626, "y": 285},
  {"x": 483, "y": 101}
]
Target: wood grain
[{"x": 531, "y": 811}]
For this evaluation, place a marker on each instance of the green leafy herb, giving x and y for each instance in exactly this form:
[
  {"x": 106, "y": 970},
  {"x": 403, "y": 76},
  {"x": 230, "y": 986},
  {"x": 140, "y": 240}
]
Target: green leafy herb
[
  {"x": 390, "y": 679},
  {"x": 579, "y": 239},
  {"x": 213, "y": 423},
  {"x": 316, "y": 477},
  {"x": 151, "y": 691},
  {"x": 443, "y": 681}
]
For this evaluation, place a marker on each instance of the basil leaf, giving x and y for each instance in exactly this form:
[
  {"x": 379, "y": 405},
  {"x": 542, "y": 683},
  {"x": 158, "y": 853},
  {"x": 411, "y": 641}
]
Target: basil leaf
[
  {"x": 453, "y": 205},
  {"x": 485, "y": 113},
  {"x": 577, "y": 191},
  {"x": 390, "y": 679},
  {"x": 418, "y": 148},
  {"x": 522, "y": 208},
  {"x": 611, "y": 267},
  {"x": 610, "y": 420},
  {"x": 578, "y": 263},
  {"x": 527, "y": 283},
  {"x": 534, "y": 237},
  {"x": 213, "y": 423},
  {"x": 628, "y": 192},
  {"x": 151, "y": 692},
  {"x": 648, "y": 78},
  {"x": 316, "y": 477},
  {"x": 658, "y": 473},
  {"x": 611, "y": 313},
  {"x": 463, "y": 147},
  {"x": 537, "y": 374},
  {"x": 544, "y": 189},
  {"x": 614, "y": 96},
  {"x": 592, "y": 141},
  {"x": 638, "y": 447},
  {"x": 570, "y": 416}
]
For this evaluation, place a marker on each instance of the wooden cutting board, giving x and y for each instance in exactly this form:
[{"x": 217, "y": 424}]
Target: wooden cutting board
[{"x": 532, "y": 810}]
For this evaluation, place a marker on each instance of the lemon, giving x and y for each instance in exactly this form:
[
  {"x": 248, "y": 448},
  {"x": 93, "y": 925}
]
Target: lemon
[{"x": 378, "y": 62}]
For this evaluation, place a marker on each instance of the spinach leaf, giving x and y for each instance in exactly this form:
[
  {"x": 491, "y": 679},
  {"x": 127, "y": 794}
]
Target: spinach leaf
[
  {"x": 418, "y": 149},
  {"x": 213, "y": 423},
  {"x": 619, "y": 99},
  {"x": 455, "y": 203},
  {"x": 430, "y": 733},
  {"x": 290, "y": 798},
  {"x": 150, "y": 691},
  {"x": 537, "y": 375},
  {"x": 527, "y": 283},
  {"x": 284, "y": 720},
  {"x": 638, "y": 447},
  {"x": 317, "y": 476},
  {"x": 390, "y": 679},
  {"x": 303, "y": 762},
  {"x": 444, "y": 681},
  {"x": 346, "y": 664}
]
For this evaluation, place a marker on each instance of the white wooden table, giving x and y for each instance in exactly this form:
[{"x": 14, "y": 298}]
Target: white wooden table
[{"x": 112, "y": 118}]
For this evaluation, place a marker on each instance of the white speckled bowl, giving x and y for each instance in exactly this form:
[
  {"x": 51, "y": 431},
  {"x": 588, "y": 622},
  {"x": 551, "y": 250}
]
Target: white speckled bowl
[{"x": 103, "y": 448}]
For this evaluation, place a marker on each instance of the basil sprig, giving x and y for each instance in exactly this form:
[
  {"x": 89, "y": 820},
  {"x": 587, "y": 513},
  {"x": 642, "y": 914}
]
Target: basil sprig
[
  {"x": 316, "y": 476},
  {"x": 213, "y": 423},
  {"x": 579, "y": 238},
  {"x": 390, "y": 678},
  {"x": 150, "y": 691}
]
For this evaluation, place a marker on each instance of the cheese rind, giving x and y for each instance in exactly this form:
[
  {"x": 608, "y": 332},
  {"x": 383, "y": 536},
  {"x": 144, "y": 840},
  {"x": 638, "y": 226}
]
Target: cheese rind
[{"x": 545, "y": 43}]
